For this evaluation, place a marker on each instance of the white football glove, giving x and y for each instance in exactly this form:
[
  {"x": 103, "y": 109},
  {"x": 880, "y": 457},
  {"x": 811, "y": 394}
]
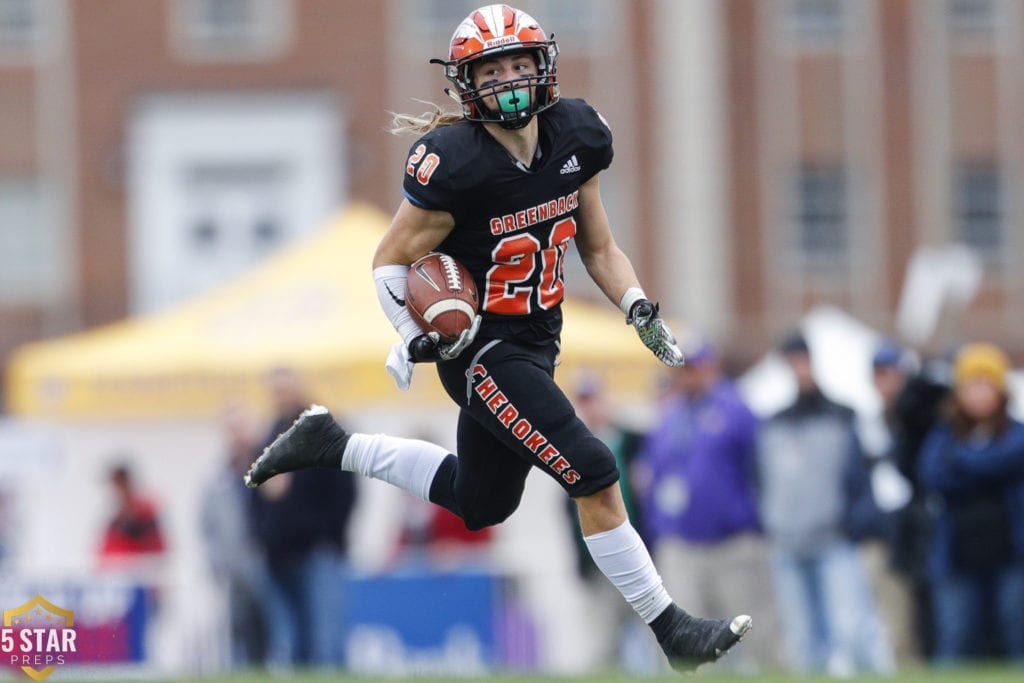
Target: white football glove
[{"x": 654, "y": 333}]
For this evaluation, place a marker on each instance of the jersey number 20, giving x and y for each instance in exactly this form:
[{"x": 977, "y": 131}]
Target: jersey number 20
[
  {"x": 425, "y": 169},
  {"x": 516, "y": 259}
]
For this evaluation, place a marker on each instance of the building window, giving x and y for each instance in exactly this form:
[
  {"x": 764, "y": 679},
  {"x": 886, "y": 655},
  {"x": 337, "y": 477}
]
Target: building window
[
  {"x": 442, "y": 16},
  {"x": 979, "y": 206},
  {"x": 972, "y": 23},
  {"x": 20, "y": 27},
  {"x": 28, "y": 248},
  {"x": 235, "y": 207},
  {"x": 231, "y": 30},
  {"x": 821, "y": 215},
  {"x": 581, "y": 21},
  {"x": 814, "y": 24}
]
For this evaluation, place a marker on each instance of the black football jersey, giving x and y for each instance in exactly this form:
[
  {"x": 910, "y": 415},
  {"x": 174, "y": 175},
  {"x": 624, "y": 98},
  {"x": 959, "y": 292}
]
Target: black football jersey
[{"x": 513, "y": 223}]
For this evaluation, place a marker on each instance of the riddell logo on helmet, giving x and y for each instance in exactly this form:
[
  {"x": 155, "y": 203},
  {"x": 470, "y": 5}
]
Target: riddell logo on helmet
[{"x": 504, "y": 40}]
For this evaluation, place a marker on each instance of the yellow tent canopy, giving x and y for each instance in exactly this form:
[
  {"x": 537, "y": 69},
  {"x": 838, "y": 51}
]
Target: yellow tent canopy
[{"x": 306, "y": 308}]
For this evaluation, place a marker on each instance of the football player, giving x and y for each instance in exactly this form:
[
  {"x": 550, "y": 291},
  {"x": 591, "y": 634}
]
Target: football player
[{"x": 503, "y": 186}]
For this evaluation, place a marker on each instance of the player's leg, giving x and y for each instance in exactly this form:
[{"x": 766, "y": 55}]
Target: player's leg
[
  {"x": 317, "y": 440},
  {"x": 485, "y": 483},
  {"x": 621, "y": 555},
  {"x": 483, "y": 486},
  {"x": 509, "y": 390}
]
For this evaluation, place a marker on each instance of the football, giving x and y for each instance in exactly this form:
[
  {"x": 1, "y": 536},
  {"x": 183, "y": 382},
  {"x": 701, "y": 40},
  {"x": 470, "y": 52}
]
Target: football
[{"x": 441, "y": 295}]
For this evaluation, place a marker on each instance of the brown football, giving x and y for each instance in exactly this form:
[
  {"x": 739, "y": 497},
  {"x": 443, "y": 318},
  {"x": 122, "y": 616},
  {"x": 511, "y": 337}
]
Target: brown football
[{"x": 441, "y": 295}]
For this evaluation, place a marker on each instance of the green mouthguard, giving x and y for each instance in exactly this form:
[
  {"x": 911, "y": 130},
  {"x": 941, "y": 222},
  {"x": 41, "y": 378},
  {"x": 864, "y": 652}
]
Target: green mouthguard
[{"x": 513, "y": 101}]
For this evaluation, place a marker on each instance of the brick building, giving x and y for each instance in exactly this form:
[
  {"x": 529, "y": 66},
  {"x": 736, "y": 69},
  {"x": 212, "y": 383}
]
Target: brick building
[{"x": 770, "y": 154}]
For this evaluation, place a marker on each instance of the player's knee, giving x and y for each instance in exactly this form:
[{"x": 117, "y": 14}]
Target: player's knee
[
  {"x": 479, "y": 517},
  {"x": 477, "y": 523},
  {"x": 599, "y": 458},
  {"x": 595, "y": 466}
]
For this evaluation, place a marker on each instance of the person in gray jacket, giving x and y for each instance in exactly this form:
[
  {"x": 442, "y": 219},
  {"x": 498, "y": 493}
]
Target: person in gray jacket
[
  {"x": 814, "y": 494},
  {"x": 236, "y": 563}
]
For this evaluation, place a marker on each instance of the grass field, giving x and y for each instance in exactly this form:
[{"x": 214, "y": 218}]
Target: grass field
[{"x": 974, "y": 675}]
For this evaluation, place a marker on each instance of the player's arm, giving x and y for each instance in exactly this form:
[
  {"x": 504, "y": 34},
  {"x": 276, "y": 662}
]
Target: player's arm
[
  {"x": 613, "y": 272},
  {"x": 413, "y": 233},
  {"x": 606, "y": 263}
]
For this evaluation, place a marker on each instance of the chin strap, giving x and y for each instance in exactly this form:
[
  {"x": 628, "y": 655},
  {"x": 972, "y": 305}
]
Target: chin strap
[{"x": 516, "y": 124}]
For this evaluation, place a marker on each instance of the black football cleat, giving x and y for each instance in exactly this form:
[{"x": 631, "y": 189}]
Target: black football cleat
[
  {"x": 689, "y": 641},
  {"x": 313, "y": 440}
]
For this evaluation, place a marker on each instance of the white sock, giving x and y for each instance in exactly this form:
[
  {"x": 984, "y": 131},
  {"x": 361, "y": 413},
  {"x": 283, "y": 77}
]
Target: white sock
[
  {"x": 409, "y": 464},
  {"x": 623, "y": 558}
]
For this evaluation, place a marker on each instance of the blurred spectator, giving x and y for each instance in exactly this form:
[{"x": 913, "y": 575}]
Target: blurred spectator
[
  {"x": 812, "y": 486},
  {"x": 891, "y": 367},
  {"x": 133, "y": 536},
  {"x": 972, "y": 464},
  {"x": 914, "y": 414},
  {"x": 618, "y": 638},
  {"x": 890, "y": 491},
  {"x": 301, "y": 520},
  {"x": 436, "y": 536},
  {"x": 696, "y": 480},
  {"x": 235, "y": 559},
  {"x": 7, "y": 502}
]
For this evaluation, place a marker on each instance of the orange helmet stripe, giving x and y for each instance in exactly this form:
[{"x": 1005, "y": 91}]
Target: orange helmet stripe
[
  {"x": 494, "y": 30},
  {"x": 491, "y": 25}
]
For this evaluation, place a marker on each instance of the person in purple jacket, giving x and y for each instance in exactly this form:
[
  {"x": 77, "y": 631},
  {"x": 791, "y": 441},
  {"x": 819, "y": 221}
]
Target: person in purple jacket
[{"x": 695, "y": 476}]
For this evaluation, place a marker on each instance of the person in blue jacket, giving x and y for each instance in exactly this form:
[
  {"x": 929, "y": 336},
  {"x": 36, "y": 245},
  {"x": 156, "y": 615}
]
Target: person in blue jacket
[{"x": 972, "y": 468}]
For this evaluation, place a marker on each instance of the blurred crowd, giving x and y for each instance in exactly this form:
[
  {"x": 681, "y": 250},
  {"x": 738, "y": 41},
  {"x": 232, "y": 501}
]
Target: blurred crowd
[
  {"x": 859, "y": 542},
  {"x": 279, "y": 551},
  {"x": 887, "y": 539},
  {"x": 277, "y": 554}
]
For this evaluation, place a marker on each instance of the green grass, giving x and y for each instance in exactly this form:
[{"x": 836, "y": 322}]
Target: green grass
[{"x": 958, "y": 675}]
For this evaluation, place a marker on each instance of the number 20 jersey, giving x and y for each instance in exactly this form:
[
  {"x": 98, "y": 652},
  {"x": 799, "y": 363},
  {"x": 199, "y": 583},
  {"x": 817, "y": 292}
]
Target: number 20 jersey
[{"x": 513, "y": 223}]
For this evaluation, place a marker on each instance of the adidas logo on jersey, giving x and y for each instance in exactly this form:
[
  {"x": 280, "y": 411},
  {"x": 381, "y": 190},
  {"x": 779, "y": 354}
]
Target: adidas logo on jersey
[{"x": 570, "y": 166}]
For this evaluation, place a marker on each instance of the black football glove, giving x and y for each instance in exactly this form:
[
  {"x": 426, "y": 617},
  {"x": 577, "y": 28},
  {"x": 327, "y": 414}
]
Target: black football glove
[
  {"x": 654, "y": 333},
  {"x": 428, "y": 348}
]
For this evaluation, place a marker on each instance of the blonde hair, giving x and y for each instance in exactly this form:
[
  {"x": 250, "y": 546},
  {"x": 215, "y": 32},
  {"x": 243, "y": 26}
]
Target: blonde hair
[{"x": 424, "y": 123}]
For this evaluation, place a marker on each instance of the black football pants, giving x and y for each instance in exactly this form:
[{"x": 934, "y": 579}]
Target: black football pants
[{"x": 513, "y": 417}]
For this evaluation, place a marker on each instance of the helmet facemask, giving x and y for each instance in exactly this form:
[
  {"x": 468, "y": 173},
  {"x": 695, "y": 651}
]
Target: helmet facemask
[
  {"x": 491, "y": 32},
  {"x": 517, "y": 99}
]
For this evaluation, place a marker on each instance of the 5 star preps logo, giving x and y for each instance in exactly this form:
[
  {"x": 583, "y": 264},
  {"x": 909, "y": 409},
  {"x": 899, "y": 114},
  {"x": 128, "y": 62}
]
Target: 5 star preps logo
[{"x": 37, "y": 636}]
